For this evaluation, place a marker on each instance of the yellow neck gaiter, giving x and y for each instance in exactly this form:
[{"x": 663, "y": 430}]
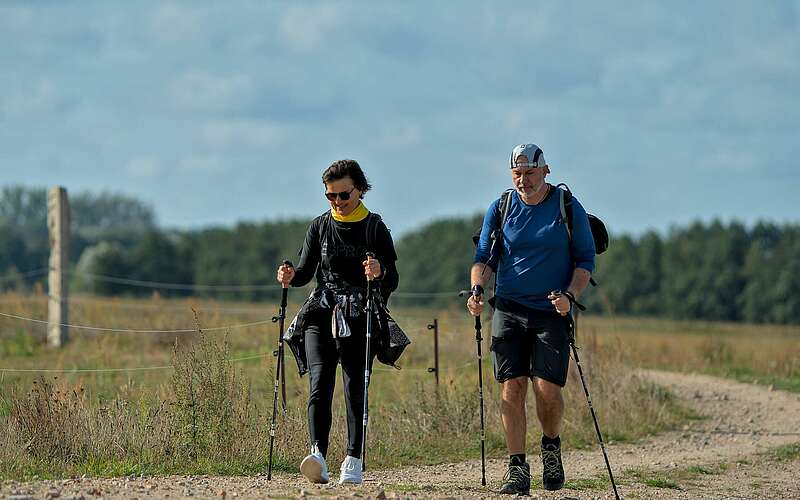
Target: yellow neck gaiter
[{"x": 360, "y": 213}]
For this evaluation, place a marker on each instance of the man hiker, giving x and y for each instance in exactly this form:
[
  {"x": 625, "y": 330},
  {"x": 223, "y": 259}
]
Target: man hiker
[{"x": 533, "y": 256}]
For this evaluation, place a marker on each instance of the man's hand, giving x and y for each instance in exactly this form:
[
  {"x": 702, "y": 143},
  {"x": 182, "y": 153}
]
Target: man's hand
[
  {"x": 475, "y": 301},
  {"x": 560, "y": 302}
]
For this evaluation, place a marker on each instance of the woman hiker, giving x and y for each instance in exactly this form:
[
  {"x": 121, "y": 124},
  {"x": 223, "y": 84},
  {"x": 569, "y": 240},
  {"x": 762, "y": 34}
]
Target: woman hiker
[{"x": 331, "y": 325}]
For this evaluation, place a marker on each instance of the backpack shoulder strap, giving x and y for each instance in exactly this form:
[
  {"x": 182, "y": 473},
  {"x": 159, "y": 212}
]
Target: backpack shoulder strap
[
  {"x": 324, "y": 229},
  {"x": 324, "y": 226},
  {"x": 565, "y": 204},
  {"x": 502, "y": 207},
  {"x": 372, "y": 230}
]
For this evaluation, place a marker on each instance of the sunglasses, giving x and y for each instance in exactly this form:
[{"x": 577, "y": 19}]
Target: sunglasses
[{"x": 344, "y": 195}]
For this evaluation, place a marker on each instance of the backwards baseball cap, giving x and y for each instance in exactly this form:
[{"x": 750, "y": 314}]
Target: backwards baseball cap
[{"x": 532, "y": 152}]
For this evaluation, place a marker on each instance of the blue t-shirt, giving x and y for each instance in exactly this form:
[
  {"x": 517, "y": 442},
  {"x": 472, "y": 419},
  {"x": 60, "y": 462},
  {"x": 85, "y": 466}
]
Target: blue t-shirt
[{"x": 535, "y": 258}]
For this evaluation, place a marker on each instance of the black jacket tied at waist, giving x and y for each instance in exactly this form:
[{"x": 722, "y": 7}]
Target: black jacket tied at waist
[{"x": 344, "y": 303}]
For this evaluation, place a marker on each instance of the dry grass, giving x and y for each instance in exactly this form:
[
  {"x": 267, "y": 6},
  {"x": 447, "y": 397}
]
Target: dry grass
[
  {"x": 766, "y": 354},
  {"x": 210, "y": 414}
]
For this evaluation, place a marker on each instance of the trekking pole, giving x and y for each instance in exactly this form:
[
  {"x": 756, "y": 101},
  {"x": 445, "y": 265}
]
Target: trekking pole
[
  {"x": 588, "y": 398},
  {"x": 369, "y": 308},
  {"x": 478, "y": 340},
  {"x": 279, "y": 368}
]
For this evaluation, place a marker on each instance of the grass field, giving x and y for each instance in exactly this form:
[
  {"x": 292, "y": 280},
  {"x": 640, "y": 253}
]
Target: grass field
[
  {"x": 211, "y": 412},
  {"x": 764, "y": 354}
]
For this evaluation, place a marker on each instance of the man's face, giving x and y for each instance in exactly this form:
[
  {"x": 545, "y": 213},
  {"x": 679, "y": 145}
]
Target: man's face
[{"x": 528, "y": 180}]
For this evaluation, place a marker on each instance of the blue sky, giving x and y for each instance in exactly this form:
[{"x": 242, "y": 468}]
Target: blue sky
[{"x": 655, "y": 113}]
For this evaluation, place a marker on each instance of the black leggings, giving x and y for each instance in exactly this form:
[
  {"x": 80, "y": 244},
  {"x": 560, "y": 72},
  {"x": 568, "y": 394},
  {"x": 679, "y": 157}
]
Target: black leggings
[{"x": 323, "y": 353}]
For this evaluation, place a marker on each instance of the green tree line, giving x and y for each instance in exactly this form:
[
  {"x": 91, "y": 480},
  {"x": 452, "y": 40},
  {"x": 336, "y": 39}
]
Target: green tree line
[{"x": 713, "y": 271}]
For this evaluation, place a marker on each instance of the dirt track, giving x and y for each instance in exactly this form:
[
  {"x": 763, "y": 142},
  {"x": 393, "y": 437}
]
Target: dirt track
[{"x": 725, "y": 449}]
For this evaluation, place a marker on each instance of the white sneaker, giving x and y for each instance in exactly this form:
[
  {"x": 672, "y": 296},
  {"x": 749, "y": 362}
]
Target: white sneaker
[
  {"x": 314, "y": 467},
  {"x": 351, "y": 471}
]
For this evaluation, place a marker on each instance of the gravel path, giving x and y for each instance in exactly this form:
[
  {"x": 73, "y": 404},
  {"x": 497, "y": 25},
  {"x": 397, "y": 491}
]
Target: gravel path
[{"x": 725, "y": 452}]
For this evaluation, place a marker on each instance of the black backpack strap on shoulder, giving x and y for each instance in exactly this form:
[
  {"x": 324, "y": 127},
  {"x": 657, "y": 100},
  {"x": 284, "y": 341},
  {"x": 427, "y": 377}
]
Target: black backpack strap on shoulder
[
  {"x": 373, "y": 220},
  {"x": 565, "y": 203},
  {"x": 502, "y": 207},
  {"x": 324, "y": 227},
  {"x": 502, "y": 212},
  {"x": 566, "y": 216},
  {"x": 324, "y": 230}
]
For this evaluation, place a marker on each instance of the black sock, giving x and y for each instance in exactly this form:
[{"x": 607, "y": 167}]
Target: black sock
[
  {"x": 556, "y": 440},
  {"x": 518, "y": 459}
]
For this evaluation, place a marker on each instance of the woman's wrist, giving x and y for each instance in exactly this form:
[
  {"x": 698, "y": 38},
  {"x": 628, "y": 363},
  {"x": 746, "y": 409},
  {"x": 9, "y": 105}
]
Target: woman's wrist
[{"x": 382, "y": 274}]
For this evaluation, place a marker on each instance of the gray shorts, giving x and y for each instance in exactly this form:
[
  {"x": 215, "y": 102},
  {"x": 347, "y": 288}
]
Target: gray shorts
[{"x": 529, "y": 342}]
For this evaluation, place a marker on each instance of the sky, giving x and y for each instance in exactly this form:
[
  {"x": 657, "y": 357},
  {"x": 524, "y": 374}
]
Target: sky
[{"x": 655, "y": 114}]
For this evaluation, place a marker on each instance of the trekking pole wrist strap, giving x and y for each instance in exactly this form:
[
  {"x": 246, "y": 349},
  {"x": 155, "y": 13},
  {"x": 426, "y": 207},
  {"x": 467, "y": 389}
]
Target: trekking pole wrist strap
[
  {"x": 477, "y": 290},
  {"x": 572, "y": 300}
]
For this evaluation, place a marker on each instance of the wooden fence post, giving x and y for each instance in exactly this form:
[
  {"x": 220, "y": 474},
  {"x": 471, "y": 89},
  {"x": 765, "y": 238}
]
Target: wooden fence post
[{"x": 58, "y": 226}]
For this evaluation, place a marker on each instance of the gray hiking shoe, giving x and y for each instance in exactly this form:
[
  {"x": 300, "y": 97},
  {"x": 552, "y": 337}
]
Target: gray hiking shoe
[
  {"x": 517, "y": 480},
  {"x": 553, "y": 469}
]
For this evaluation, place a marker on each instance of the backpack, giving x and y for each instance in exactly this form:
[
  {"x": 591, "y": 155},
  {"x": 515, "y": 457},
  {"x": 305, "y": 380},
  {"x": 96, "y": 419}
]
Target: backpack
[{"x": 598, "y": 228}]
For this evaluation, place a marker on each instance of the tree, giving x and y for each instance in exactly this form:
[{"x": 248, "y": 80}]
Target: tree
[
  {"x": 156, "y": 257},
  {"x": 437, "y": 258},
  {"x": 105, "y": 259}
]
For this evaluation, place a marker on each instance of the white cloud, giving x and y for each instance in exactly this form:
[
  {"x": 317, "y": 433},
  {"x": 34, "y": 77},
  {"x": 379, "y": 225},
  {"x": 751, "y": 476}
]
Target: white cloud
[
  {"x": 515, "y": 119},
  {"x": 39, "y": 98},
  {"x": 732, "y": 161},
  {"x": 143, "y": 167},
  {"x": 172, "y": 22},
  {"x": 255, "y": 133},
  {"x": 402, "y": 136},
  {"x": 203, "y": 164},
  {"x": 201, "y": 91},
  {"x": 19, "y": 17},
  {"x": 305, "y": 28}
]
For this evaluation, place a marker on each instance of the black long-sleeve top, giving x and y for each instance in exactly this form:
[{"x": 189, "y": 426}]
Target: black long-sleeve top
[{"x": 334, "y": 251}]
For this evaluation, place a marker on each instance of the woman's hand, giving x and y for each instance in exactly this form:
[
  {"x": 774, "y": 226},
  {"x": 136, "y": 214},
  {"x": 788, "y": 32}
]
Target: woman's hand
[
  {"x": 372, "y": 269},
  {"x": 285, "y": 275}
]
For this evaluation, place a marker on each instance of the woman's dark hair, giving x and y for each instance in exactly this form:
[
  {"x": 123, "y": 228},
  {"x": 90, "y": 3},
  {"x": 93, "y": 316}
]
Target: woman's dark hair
[{"x": 347, "y": 168}]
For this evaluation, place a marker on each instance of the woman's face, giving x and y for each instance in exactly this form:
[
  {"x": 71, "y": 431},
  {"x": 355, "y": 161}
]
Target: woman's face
[{"x": 343, "y": 186}]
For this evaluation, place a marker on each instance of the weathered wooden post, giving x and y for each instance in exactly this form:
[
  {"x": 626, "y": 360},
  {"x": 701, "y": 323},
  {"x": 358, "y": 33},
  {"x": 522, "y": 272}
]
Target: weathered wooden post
[
  {"x": 435, "y": 370},
  {"x": 58, "y": 226}
]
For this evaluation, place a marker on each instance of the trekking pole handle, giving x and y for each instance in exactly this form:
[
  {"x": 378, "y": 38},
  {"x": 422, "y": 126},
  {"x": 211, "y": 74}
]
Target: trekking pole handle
[
  {"x": 570, "y": 297},
  {"x": 370, "y": 256},
  {"x": 284, "y": 296},
  {"x": 287, "y": 263},
  {"x": 476, "y": 291}
]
